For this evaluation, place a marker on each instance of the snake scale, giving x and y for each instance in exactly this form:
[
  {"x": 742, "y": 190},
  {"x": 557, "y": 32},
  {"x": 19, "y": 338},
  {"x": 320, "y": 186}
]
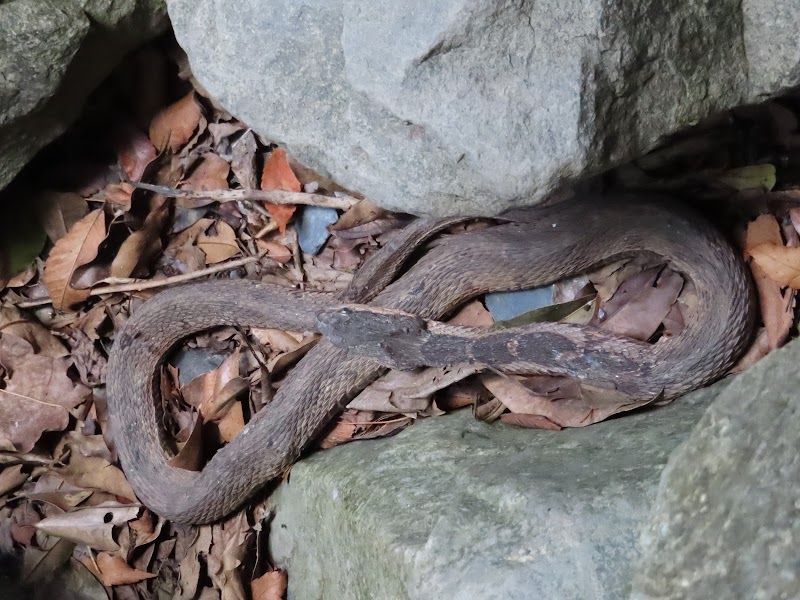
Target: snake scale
[{"x": 530, "y": 248}]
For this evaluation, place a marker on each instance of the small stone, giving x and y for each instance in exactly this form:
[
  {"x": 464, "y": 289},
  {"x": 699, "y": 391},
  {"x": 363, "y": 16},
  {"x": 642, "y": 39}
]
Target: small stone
[
  {"x": 507, "y": 305},
  {"x": 312, "y": 228},
  {"x": 193, "y": 362}
]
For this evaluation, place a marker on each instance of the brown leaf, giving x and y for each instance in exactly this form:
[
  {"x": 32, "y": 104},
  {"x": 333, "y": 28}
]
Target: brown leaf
[
  {"x": 12, "y": 321},
  {"x": 141, "y": 246},
  {"x": 134, "y": 151},
  {"x": 781, "y": 264},
  {"x": 278, "y": 175},
  {"x": 473, "y": 314},
  {"x": 646, "y": 305},
  {"x": 118, "y": 194},
  {"x": 409, "y": 392},
  {"x": 116, "y": 571},
  {"x": 759, "y": 349},
  {"x": 277, "y": 252},
  {"x": 359, "y": 214},
  {"x": 243, "y": 160},
  {"x": 776, "y": 305},
  {"x": 11, "y": 478},
  {"x": 566, "y": 412},
  {"x": 270, "y": 586},
  {"x": 227, "y": 553},
  {"x": 96, "y": 473},
  {"x": 530, "y": 421},
  {"x": 210, "y": 174},
  {"x": 219, "y": 389},
  {"x": 190, "y": 455},
  {"x": 221, "y": 246},
  {"x": 173, "y": 126},
  {"x": 74, "y": 250},
  {"x": 58, "y": 212},
  {"x": 38, "y": 394}
]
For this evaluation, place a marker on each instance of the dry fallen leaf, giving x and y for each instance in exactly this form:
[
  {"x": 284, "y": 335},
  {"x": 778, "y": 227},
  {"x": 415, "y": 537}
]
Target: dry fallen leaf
[
  {"x": 77, "y": 248},
  {"x": 38, "y": 394},
  {"x": 220, "y": 246},
  {"x": 278, "y": 175},
  {"x": 134, "y": 151},
  {"x": 90, "y": 526},
  {"x": 270, "y": 586},
  {"x": 647, "y": 302},
  {"x": 776, "y": 305},
  {"x": 174, "y": 126},
  {"x": 58, "y": 212},
  {"x": 780, "y": 263},
  {"x": 115, "y": 571},
  {"x": 210, "y": 174}
]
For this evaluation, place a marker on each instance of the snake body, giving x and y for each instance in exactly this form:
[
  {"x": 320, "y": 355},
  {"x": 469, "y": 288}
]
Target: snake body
[{"x": 536, "y": 247}]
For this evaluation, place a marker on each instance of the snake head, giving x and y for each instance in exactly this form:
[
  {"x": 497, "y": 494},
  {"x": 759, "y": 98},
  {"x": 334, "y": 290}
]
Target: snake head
[{"x": 373, "y": 332}]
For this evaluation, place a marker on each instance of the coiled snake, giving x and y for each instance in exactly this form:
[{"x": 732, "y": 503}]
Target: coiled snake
[{"x": 532, "y": 248}]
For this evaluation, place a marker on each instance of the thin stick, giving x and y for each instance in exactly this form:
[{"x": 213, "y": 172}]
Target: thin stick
[
  {"x": 271, "y": 196},
  {"x": 136, "y": 286}
]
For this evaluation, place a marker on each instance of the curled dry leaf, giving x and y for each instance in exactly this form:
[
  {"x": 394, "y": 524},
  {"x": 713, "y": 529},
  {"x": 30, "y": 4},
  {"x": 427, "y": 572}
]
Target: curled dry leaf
[
  {"x": 646, "y": 304},
  {"x": 141, "y": 245},
  {"x": 96, "y": 473},
  {"x": 115, "y": 571},
  {"x": 134, "y": 151},
  {"x": 174, "y": 126},
  {"x": 270, "y": 586},
  {"x": 79, "y": 247},
  {"x": 219, "y": 246},
  {"x": 776, "y": 304}
]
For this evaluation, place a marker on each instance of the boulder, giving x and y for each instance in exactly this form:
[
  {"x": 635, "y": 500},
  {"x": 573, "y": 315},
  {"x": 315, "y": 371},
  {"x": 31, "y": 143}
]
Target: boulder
[
  {"x": 453, "y": 508},
  {"x": 53, "y": 53},
  {"x": 726, "y": 522},
  {"x": 475, "y": 106}
]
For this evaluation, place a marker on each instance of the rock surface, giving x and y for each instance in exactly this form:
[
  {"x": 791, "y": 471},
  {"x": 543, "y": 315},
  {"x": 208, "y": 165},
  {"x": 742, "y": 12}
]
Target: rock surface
[
  {"x": 726, "y": 523},
  {"x": 53, "y": 53},
  {"x": 474, "y": 106},
  {"x": 453, "y": 508}
]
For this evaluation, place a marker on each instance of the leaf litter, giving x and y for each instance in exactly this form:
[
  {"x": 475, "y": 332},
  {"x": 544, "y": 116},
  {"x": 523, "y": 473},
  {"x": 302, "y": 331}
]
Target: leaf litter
[{"x": 192, "y": 192}]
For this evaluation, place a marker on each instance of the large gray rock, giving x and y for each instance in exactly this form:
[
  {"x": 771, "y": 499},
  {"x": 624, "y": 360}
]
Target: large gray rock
[
  {"x": 726, "y": 523},
  {"x": 452, "y": 508},
  {"x": 53, "y": 53},
  {"x": 474, "y": 106}
]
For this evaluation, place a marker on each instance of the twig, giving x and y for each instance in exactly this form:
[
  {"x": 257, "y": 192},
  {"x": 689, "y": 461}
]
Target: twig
[
  {"x": 271, "y": 196},
  {"x": 136, "y": 286},
  {"x": 271, "y": 226},
  {"x": 298, "y": 257}
]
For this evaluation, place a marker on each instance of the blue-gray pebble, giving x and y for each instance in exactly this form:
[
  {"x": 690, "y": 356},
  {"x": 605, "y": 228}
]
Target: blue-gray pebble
[
  {"x": 312, "y": 228},
  {"x": 507, "y": 305}
]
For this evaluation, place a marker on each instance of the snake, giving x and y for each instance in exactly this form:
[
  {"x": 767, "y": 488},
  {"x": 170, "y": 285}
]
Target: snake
[{"x": 522, "y": 249}]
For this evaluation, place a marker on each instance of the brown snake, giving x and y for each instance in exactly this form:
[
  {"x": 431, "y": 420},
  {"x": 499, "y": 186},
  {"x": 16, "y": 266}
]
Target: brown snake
[{"x": 539, "y": 246}]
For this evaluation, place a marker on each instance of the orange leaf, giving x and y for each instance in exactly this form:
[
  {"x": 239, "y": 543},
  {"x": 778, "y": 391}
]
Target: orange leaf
[
  {"x": 174, "y": 126},
  {"x": 780, "y": 263},
  {"x": 281, "y": 213},
  {"x": 278, "y": 175},
  {"x": 117, "y": 572},
  {"x": 270, "y": 586},
  {"x": 74, "y": 250}
]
